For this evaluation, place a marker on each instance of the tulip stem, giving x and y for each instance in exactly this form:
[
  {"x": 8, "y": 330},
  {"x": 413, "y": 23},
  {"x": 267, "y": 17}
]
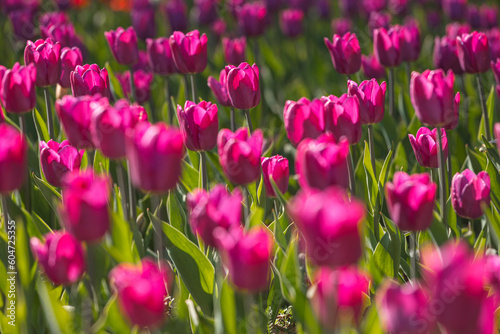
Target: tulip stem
[
  {"x": 350, "y": 167},
  {"x": 26, "y": 189},
  {"x": 233, "y": 120},
  {"x": 23, "y": 126},
  {"x": 90, "y": 158},
  {"x": 372, "y": 149},
  {"x": 413, "y": 254},
  {"x": 448, "y": 167},
  {"x": 131, "y": 195},
  {"x": 203, "y": 171},
  {"x": 48, "y": 108},
  {"x": 156, "y": 207},
  {"x": 167, "y": 100},
  {"x": 391, "y": 91},
  {"x": 121, "y": 184},
  {"x": 193, "y": 87},
  {"x": 132, "y": 85},
  {"x": 5, "y": 212},
  {"x": 249, "y": 120},
  {"x": 246, "y": 211},
  {"x": 442, "y": 179},
  {"x": 465, "y": 97},
  {"x": 483, "y": 107}
]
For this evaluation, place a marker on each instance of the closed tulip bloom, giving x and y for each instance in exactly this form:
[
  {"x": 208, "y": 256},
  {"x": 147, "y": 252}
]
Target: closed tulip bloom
[
  {"x": 70, "y": 59},
  {"x": 342, "y": 117},
  {"x": 141, "y": 291},
  {"x": 473, "y": 17},
  {"x": 455, "y": 29},
  {"x": 275, "y": 168},
  {"x": 410, "y": 200},
  {"x": 22, "y": 21},
  {"x": 155, "y": 153},
  {"x": 386, "y": 46},
  {"x": 404, "y": 309},
  {"x": 321, "y": 162},
  {"x": 494, "y": 40},
  {"x": 410, "y": 44},
  {"x": 234, "y": 50},
  {"x": 455, "y": 9},
  {"x": 84, "y": 209},
  {"x": 345, "y": 53},
  {"x": 446, "y": 55},
  {"x": 62, "y": 33},
  {"x": 61, "y": 256},
  {"x": 219, "y": 88},
  {"x": 243, "y": 86},
  {"x": 210, "y": 210},
  {"x": 432, "y": 96},
  {"x": 90, "y": 80},
  {"x": 348, "y": 7},
  {"x": 291, "y": 22},
  {"x": 371, "y": 97},
  {"x": 489, "y": 16},
  {"x": 304, "y": 119},
  {"x": 399, "y": 7},
  {"x": 13, "y": 159},
  {"x": 142, "y": 83},
  {"x": 189, "y": 51},
  {"x": 253, "y": 19},
  {"x": 46, "y": 56},
  {"x": 159, "y": 55},
  {"x": 425, "y": 146},
  {"x": 330, "y": 225},
  {"x": 18, "y": 88},
  {"x": 338, "y": 294},
  {"x": 469, "y": 192},
  {"x": 379, "y": 20},
  {"x": 495, "y": 68},
  {"x": 371, "y": 67},
  {"x": 341, "y": 26},
  {"x": 110, "y": 124},
  {"x": 143, "y": 21},
  {"x": 58, "y": 159},
  {"x": 474, "y": 52},
  {"x": 218, "y": 28},
  {"x": 123, "y": 45},
  {"x": 199, "y": 124},
  {"x": 176, "y": 12},
  {"x": 204, "y": 11},
  {"x": 433, "y": 19},
  {"x": 247, "y": 257}
]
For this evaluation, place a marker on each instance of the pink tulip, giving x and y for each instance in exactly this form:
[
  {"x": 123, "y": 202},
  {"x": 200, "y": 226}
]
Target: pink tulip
[
  {"x": 489, "y": 16},
  {"x": 234, "y": 50},
  {"x": 410, "y": 44},
  {"x": 189, "y": 51},
  {"x": 341, "y": 26},
  {"x": 143, "y": 21},
  {"x": 495, "y": 68},
  {"x": 342, "y": 117},
  {"x": 46, "y": 56},
  {"x": 330, "y": 225},
  {"x": 469, "y": 192},
  {"x": 123, "y": 45},
  {"x": 425, "y": 146},
  {"x": 455, "y": 9},
  {"x": 371, "y": 67},
  {"x": 176, "y": 12},
  {"x": 446, "y": 55},
  {"x": 243, "y": 86},
  {"x": 70, "y": 59},
  {"x": 219, "y": 88},
  {"x": 62, "y": 33},
  {"x": 345, "y": 53},
  {"x": 159, "y": 55},
  {"x": 371, "y": 97},
  {"x": 291, "y": 22},
  {"x": 90, "y": 80},
  {"x": 304, "y": 119},
  {"x": 379, "y": 20},
  {"x": 494, "y": 40},
  {"x": 253, "y": 19},
  {"x": 455, "y": 29},
  {"x": 13, "y": 158},
  {"x": 275, "y": 168},
  {"x": 61, "y": 256},
  {"x": 205, "y": 11},
  {"x": 410, "y": 200},
  {"x": 142, "y": 83},
  {"x": 58, "y": 159},
  {"x": 199, "y": 124},
  {"x": 474, "y": 52},
  {"x": 17, "y": 89},
  {"x": 386, "y": 46},
  {"x": 496, "y": 130}
]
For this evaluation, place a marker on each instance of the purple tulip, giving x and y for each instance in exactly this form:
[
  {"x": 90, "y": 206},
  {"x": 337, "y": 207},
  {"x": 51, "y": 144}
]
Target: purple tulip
[
  {"x": 474, "y": 52},
  {"x": 455, "y": 29},
  {"x": 399, "y": 7},
  {"x": 123, "y": 45},
  {"x": 243, "y": 86},
  {"x": 219, "y": 88},
  {"x": 345, "y": 53},
  {"x": 253, "y": 19},
  {"x": 62, "y": 33},
  {"x": 70, "y": 59},
  {"x": 304, "y": 119},
  {"x": 291, "y": 22},
  {"x": 371, "y": 97},
  {"x": 205, "y": 11},
  {"x": 189, "y": 51},
  {"x": 234, "y": 50},
  {"x": 371, "y": 67},
  {"x": 22, "y": 21},
  {"x": 143, "y": 21},
  {"x": 218, "y": 28},
  {"x": 58, "y": 159},
  {"x": 341, "y": 26},
  {"x": 379, "y": 20},
  {"x": 342, "y": 117},
  {"x": 199, "y": 124},
  {"x": 45, "y": 55},
  {"x": 410, "y": 43},
  {"x": 494, "y": 40},
  {"x": 13, "y": 158},
  {"x": 455, "y": 9},
  {"x": 275, "y": 168},
  {"x": 53, "y": 18},
  {"x": 425, "y": 146},
  {"x": 473, "y": 17},
  {"x": 159, "y": 55},
  {"x": 18, "y": 88},
  {"x": 469, "y": 192},
  {"x": 142, "y": 83},
  {"x": 386, "y": 46},
  {"x": 90, "y": 80},
  {"x": 489, "y": 16},
  {"x": 176, "y": 12},
  {"x": 446, "y": 55},
  {"x": 349, "y": 7}
]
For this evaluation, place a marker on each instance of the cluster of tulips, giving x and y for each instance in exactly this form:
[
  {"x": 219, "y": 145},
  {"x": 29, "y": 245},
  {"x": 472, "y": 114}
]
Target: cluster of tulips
[{"x": 347, "y": 240}]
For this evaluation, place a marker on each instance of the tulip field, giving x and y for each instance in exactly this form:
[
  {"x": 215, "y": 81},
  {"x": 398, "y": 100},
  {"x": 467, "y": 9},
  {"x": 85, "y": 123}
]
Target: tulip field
[{"x": 239, "y": 166}]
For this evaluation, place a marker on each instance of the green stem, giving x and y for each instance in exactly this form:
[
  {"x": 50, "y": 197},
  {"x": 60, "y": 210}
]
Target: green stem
[
  {"x": 5, "y": 212},
  {"x": 23, "y": 126},
  {"x": 26, "y": 189},
  {"x": 90, "y": 158},
  {"x": 442, "y": 179},
  {"x": 483, "y": 107},
  {"x": 156, "y": 202},
  {"x": 249, "y": 120},
  {"x": 193, "y": 87},
  {"x": 120, "y": 174},
  {"x": 413, "y": 254},
  {"x": 48, "y": 108},
  {"x": 372, "y": 148},
  {"x": 246, "y": 207},
  {"x": 167, "y": 100},
  {"x": 133, "y": 98},
  {"x": 391, "y": 91},
  {"x": 350, "y": 167},
  {"x": 233, "y": 120},
  {"x": 131, "y": 196},
  {"x": 204, "y": 173}
]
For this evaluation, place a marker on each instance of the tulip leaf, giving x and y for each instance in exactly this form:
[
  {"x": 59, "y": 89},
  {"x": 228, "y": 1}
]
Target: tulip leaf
[
  {"x": 57, "y": 317},
  {"x": 116, "y": 87},
  {"x": 490, "y": 109},
  {"x": 49, "y": 192},
  {"x": 101, "y": 163},
  {"x": 111, "y": 318},
  {"x": 189, "y": 176},
  {"x": 493, "y": 218},
  {"x": 228, "y": 308},
  {"x": 41, "y": 126},
  {"x": 176, "y": 213}
]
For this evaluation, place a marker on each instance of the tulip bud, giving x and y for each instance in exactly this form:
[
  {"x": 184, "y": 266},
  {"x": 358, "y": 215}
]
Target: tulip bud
[
  {"x": 410, "y": 45},
  {"x": 379, "y": 20},
  {"x": 141, "y": 291},
  {"x": 425, "y": 146},
  {"x": 143, "y": 21},
  {"x": 370, "y": 6},
  {"x": 474, "y": 52},
  {"x": 63, "y": 34},
  {"x": 473, "y": 17},
  {"x": 410, "y": 200},
  {"x": 205, "y": 11},
  {"x": 341, "y": 26},
  {"x": 58, "y": 159},
  {"x": 489, "y": 16},
  {"x": 243, "y": 86},
  {"x": 61, "y": 256},
  {"x": 176, "y": 13},
  {"x": 218, "y": 28},
  {"x": 159, "y": 55},
  {"x": 219, "y": 88},
  {"x": 345, "y": 53},
  {"x": 90, "y": 80},
  {"x": 123, "y": 45},
  {"x": 189, "y": 51},
  {"x": 46, "y": 56},
  {"x": 234, "y": 50},
  {"x": 468, "y": 192},
  {"x": 13, "y": 159},
  {"x": 70, "y": 59},
  {"x": 291, "y": 22},
  {"x": 399, "y": 7},
  {"x": 304, "y": 119},
  {"x": 84, "y": 209},
  {"x": 386, "y": 46},
  {"x": 342, "y": 117},
  {"x": 199, "y": 124},
  {"x": 371, "y": 97},
  {"x": 142, "y": 83},
  {"x": 446, "y": 55},
  {"x": 494, "y": 40},
  {"x": 155, "y": 154},
  {"x": 371, "y": 67},
  {"x": 495, "y": 68},
  {"x": 210, "y": 210},
  {"x": 22, "y": 21},
  {"x": 455, "y": 9},
  {"x": 247, "y": 256},
  {"x": 18, "y": 88},
  {"x": 275, "y": 168},
  {"x": 253, "y": 19},
  {"x": 330, "y": 225},
  {"x": 432, "y": 97},
  {"x": 433, "y": 19},
  {"x": 349, "y": 7}
]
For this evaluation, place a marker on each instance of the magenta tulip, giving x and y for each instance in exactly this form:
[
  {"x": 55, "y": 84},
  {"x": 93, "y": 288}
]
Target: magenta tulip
[
  {"x": 159, "y": 55},
  {"x": 234, "y": 50},
  {"x": 446, "y": 55},
  {"x": 70, "y": 59},
  {"x": 304, "y": 119},
  {"x": 219, "y": 88},
  {"x": 243, "y": 86},
  {"x": 469, "y": 192},
  {"x": 189, "y": 51},
  {"x": 90, "y": 80},
  {"x": 291, "y": 22},
  {"x": 143, "y": 21},
  {"x": 123, "y": 45},
  {"x": 371, "y": 97},
  {"x": 342, "y": 117},
  {"x": 425, "y": 146},
  {"x": 341, "y": 26},
  {"x": 455, "y": 9},
  {"x": 142, "y": 83},
  {"x": 345, "y": 53},
  {"x": 176, "y": 12},
  {"x": 45, "y": 55},
  {"x": 379, "y": 20},
  {"x": 199, "y": 124},
  {"x": 495, "y": 68},
  {"x": 474, "y": 52},
  {"x": 64, "y": 34},
  {"x": 371, "y": 67},
  {"x": 58, "y": 159},
  {"x": 13, "y": 158},
  {"x": 494, "y": 40},
  {"x": 253, "y": 19},
  {"x": 17, "y": 89},
  {"x": 409, "y": 43},
  {"x": 386, "y": 46},
  {"x": 275, "y": 168}
]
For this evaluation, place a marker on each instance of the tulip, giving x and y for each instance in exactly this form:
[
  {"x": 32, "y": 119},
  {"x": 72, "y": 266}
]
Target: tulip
[
  {"x": 342, "y": 117},
  {"x": 349, "y": 7},
  {"x": 75, "y": 114},
  {"x": 70, "y": 59},
  {"x": 410, "y": 43},
  {"x": 247, "y": 256},
  {"x": 58, "y": 159},
  {"x": 410, "y": 200},
  {"x": 243, "y": 86},
  {"x": 275, "y": 168},
  {"x": 304, "y": 119},
  {"x": 210, "y": 210},
  {"x": 330, "y": 225},
  {"x": 399, "y": 7},
  {"x": 492, "y": 268},
  {"x": 141, "y": 291},
  {"x": 159, "y": 56},
  {"x": 189, "y": 51},
  {"x": 240, "y": 154},
  {"x": 473, "y": 17},
  {"x": 205, "y": 11},
  {"x": 371, "y": 97},
  {"x": 495, "y": 68},
  {"x": 63, "y": 34},
  {"x": 494, "y": 40},
  {"x": 425, "y": 146},
  {"x": 272, "y": 5},
  {"x": 496, "y": 130},
  {"x": 143, "y": 21},
  {"x": 123, "y": 45},
  {"x": 404, "y": 309},
  {"x": 341, "y": 26},
  {"x": 176, "y": 12},
  {"x": 291, "y": 22},
  {"x": 371, "y": 67},
  {"x": 345, "y": 53},
  {"x": 432, "y": 97},
  {"x": 253, "y": 19},
  {"x": 339, "y": 294},
  {"x": 61, "y": 257},
  {"x": 446, "y": 55},
  {"x": 469, "y": 192},
  {"x": 474, "y": 52},
  {"x": 53, "y": 18},
  {"x": 22, "y": 21},
  {"x": 199, "y": 124},
  {"x": 13, "y": 159},
  {"x": 369, "y": 6},
  {"x": 455, "y": 29},
  {"x": 433, "y": 19},
  {"x": 324, "y": 9},
  {"x": 321, "y": 162},
  {"x": 455, "y": 9},
  {"x": 489, "y": 16},
  {"x": 84, "y": 209},
  {"x": 46, "y": 56},
  {"x": 155, "y": 154},
  {"x": 18, "y": 88},
  {"x": 142, "y": 84},
  {"x": 219, "y": 88},
  {"x": 90, "y": 80},
  {"x": 218, "y": 28},
  {"x": 379, "y": 20},
  {"x": 234, "y": 50},
  {"x": 109, "y": 125},
  {"x": 386, "y": 46}
]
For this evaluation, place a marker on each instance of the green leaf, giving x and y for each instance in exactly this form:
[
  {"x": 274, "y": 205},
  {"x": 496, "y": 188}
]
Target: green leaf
[
  {"x": 189, "y": 176},
  {"x": 490, "y": 109},
  {"x": 49, "y": 192},
  {"x": 116, "y": 87},
  {"x": 111, "y": 318},
  {"x": 41, "y": 126},
  {"x": 228, "y": 308},
  {"x": 101, "y": 163},
  {"x": 57, "y": 317},
  {"x": 176, "y": 214}
]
